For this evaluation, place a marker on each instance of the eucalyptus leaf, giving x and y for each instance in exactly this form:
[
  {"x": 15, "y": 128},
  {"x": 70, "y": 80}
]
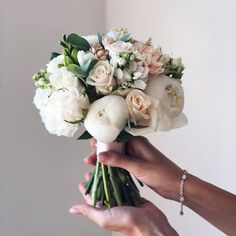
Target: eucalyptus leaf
[
  {"x": 76, "y": 70},
  {"x": 125, "y": 38},
  {"x": 85, "y": 135},
  {"x": 89, "y": 65},
  {"x": 100, "y": 37},
  {"x": 78, "y": 42}
]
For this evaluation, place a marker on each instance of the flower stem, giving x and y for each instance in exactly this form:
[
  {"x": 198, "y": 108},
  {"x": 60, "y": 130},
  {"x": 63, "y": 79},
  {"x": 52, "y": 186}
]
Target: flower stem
[
  {"x": 115, "y": 186},
  {"x": 89, "y": 184},
  {"x": 95, "y": 184},
  {"x": 105, "y": 183}
]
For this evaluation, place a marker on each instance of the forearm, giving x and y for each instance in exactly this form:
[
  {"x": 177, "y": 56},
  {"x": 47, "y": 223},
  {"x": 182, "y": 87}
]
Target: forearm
[{"x": 212, "y": 203}]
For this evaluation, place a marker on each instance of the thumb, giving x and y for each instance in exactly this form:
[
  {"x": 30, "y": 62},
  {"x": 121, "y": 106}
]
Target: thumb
[{"x": 115, "y": 159}]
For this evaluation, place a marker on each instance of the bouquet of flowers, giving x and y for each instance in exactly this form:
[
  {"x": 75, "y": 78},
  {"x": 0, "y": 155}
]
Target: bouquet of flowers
[{"x": 117, "y": 87}]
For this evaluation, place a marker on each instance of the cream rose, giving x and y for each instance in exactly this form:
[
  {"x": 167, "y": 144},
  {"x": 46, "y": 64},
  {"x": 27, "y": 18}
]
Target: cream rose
[
  {"x": 101, "y": 76},
  {"x": 171, "y": 96},
  {"x": 143, "y": 111},
  {"x": 106, "y": 118}
]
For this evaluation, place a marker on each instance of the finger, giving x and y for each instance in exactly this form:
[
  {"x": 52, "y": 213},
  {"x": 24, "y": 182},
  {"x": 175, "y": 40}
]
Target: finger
[
  {"x": 86, "y": 197},
  {"x": 123, "y": 161},
  {"x": 97, "y": 215},
  {"x": 91, "y": 158},
  {"x": 93, "y": 142},
  {"x": 87, "y": 176}
]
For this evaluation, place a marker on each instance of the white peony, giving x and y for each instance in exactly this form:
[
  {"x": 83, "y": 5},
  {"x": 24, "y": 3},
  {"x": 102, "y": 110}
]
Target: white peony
[
  {"x": 106, "y": 118},
  {"x": 52, "y": 66},
  {"x": 62, "y": 78},
  {"x": 64, "y": 106},
  {"x": 41, "y": 98},
  {"x": 171, "y": 96}
]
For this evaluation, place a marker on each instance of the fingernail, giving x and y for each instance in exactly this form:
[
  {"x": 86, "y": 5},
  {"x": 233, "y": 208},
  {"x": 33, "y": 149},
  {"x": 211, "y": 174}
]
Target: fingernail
[
  {"x": 103, "y": 156},
  {"x": 74, "y": 211}
]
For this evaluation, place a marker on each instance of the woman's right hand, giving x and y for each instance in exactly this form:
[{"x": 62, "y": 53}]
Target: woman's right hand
[{"x": 146, "y": 163}]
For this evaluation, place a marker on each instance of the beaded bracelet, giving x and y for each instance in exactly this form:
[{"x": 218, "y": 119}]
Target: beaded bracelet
[{"x": 181, "y": 191}]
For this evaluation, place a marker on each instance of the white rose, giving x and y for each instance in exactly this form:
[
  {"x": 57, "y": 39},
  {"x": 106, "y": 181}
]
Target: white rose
[
  {"x": 41, "y": 98},
  {"x": 52, "y": 66},
  {"x": 62, "y": 78},
  {"x": 143, "y": 111},
  {"x": 101, "y": 76},
  {"x": 106, "y": 118},
  {"x": 64, "y": 106},
  {"x": 171, "y": 96},
  {"x": 84, "y": 58}
]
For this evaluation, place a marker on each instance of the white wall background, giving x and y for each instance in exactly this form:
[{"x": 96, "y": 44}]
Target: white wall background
[
  {"x": 39, "y": 172},
  {"x": 204, "y": 34}
]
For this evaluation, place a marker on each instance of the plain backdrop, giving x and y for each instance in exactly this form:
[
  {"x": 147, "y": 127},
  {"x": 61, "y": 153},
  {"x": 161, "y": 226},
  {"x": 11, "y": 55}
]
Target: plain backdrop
[
  {"x": 203, "y": 33},
  {"x": 39, "y": 172}
]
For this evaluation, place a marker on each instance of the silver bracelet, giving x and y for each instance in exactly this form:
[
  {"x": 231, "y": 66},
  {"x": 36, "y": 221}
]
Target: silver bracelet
[{"x": 181, "y": 192}]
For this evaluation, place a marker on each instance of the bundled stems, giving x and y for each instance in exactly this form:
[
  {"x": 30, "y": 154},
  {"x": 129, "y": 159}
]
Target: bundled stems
[{"x": 112, "y": 187}]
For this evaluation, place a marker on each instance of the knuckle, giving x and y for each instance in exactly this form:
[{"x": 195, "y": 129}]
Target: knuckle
[{"x": 116, "y": 158}]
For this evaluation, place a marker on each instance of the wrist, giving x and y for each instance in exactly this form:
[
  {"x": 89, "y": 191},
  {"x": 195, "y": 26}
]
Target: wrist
[
  {"x": 169, "y": 186},
  {"x": 160, "y": 229}
]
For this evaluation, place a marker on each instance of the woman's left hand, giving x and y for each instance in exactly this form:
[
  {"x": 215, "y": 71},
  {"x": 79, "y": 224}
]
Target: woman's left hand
[{"x": 145, "y": 220}]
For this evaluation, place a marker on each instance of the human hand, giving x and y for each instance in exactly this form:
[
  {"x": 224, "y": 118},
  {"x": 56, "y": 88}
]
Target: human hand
[
  {"x": 145, "y": 220},
  {"x": 146, "y": 163}
]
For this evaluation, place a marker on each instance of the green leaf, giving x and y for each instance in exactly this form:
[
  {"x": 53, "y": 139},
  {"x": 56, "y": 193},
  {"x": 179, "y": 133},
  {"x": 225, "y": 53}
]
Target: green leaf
[
  {"x": 64, "y": 38},
  {"x": 76, "y": 70},
  {"x": 100, "y": 38},
  {"x": 123, "y": 137},
  {"x": 62, "y": 44},
  {"x": 68, "y": 61},
  {"x": 78, "y": 42},
  {"x": 85, "y": 135},
  {"x": 54, "y": 54}
]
